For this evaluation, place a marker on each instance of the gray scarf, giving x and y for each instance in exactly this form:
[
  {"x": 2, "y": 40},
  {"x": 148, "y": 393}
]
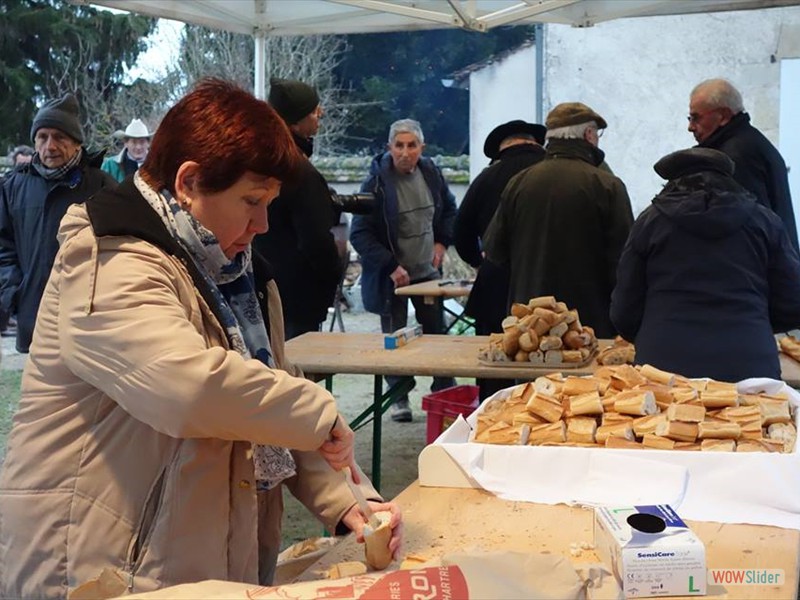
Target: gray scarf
[{"x": 57, "y": 172}]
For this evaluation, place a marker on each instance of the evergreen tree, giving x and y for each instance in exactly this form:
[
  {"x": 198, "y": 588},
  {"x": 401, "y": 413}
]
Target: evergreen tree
[
  {"x": 398, "y": 75},
  {"x": 49, "y": 47}
]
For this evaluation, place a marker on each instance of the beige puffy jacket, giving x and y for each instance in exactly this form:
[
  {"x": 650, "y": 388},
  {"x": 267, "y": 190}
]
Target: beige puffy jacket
[{"x": 131, "y": 446}]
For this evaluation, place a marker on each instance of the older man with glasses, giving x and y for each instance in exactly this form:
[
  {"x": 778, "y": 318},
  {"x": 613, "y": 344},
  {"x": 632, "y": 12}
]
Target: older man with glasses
[{"x": 717, "y": 120}]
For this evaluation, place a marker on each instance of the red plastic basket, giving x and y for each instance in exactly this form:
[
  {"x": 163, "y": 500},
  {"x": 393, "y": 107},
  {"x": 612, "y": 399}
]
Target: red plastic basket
[{"x": 444, "y": 406}]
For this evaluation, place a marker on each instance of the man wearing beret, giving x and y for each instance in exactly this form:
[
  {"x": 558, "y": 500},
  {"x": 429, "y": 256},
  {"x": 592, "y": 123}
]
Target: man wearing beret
[
  {"x": 717, "y": 120},
  {"x": 299, "y": 244},
  {"x": 32, "y": 202},
  {"x": 707, "y": 275},
  {"x": 512, "y": 147},
  {"x": 562, "y": 224}
]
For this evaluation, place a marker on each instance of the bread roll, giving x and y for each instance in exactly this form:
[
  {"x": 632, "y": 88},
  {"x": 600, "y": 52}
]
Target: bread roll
[{"x": 376, "y": 542}]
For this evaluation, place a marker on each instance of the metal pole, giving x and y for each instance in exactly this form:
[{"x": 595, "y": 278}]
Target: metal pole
[
  {"x": 259, "y": 83},
  {"x": 539, "y": 39}
]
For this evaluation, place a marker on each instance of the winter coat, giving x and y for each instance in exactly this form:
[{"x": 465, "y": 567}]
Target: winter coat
[
  {"x": 300, "y": 247},
  {"x": 31, "y": 209},
  {"x": 488, "y": 300},
  {"x": 561, "y": 225},
  {"x": 144, "y": 417},
  {"x": 706, "y": 277},
  {"x": 120, "y": 165},
  {"x": 374, "y": 236},
  {"x": 759, "y": 167}
]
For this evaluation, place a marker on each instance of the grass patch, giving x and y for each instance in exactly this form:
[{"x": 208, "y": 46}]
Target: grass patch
[{"x": 9, "y": 400}]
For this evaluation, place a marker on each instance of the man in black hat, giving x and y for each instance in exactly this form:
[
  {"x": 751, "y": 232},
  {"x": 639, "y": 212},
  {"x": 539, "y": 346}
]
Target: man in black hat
[
  {"x": 562, "y": 223},
  {"x": 33, "y": 200},
  {"x": 512, "y": 147},
  {"x": 299, "y": 244}
]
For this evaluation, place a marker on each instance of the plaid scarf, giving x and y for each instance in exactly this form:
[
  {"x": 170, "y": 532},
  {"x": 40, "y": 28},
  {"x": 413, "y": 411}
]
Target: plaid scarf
[
  {"x": 58, "y": 172},
  {"x": 232, "y": 285}
]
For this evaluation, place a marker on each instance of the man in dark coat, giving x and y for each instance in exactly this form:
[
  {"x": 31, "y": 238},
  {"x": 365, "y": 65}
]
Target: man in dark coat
[
  {"x": 512, "y": 147},
  {"x": 299, "y": 244},
  {"x": 404, "y": 239},
  {"x": 707, "y": 275},
  {"x": 562, "y": 223},
  {"x": 33, "y": 200},
  {"x": 717, "y": 120}
]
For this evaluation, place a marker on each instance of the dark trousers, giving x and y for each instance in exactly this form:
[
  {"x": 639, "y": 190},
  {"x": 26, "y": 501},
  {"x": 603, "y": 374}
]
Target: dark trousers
[
  {"x": 296, "y": 327},
  {"x": 430, "y": 316}
]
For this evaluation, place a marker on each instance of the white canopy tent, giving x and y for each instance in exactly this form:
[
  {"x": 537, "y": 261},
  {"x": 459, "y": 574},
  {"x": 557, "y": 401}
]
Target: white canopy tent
[{"x": 306, "y": 17}]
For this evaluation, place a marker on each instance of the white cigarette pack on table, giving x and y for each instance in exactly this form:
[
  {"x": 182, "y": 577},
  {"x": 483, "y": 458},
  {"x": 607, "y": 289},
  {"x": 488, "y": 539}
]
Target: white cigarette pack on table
[{"x": 651, "y": 551}]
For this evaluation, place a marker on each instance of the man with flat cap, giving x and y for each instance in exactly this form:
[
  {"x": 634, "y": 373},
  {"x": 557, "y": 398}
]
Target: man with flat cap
[
  {"x": 136, "y": 140},
  {"x": 299, "y": 244},
  {"x": 512, "y": 147},
  {"x": 708, "y": 275},
  {"x": 561, "y": 224},
  {"x": 33, "y": 200}
]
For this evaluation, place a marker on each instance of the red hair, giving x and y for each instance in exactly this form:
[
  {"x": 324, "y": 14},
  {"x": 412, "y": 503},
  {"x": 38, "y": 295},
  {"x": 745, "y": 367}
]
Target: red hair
[{"x": 227, "y": 131}]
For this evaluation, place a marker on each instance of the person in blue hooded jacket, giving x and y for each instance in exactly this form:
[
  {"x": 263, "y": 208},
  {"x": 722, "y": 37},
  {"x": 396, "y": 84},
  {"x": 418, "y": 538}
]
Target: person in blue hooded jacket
[
  {"x": 707, "y": 276},
  {"x": 404, "y": 239}
]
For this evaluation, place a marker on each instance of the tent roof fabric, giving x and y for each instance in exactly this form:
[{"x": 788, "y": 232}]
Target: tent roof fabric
[{"x": 313, "y": 17}]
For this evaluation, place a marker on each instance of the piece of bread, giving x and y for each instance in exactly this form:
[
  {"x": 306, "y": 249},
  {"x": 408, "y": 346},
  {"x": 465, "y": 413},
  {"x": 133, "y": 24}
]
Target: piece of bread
[{"x": 376, "y": 542}]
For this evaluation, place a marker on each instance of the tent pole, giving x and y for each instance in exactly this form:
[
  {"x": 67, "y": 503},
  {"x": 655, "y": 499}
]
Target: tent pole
[
  {"x": 260, "y": 39},
  {"x": 539, "y": 40}
]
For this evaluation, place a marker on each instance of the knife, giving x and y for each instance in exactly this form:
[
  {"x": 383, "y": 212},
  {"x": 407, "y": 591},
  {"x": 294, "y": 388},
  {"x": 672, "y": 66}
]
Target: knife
[{"x": 372, "y": 520}]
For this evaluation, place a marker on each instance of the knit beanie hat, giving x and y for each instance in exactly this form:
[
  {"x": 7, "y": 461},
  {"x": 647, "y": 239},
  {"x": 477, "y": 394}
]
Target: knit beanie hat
[
  {"x": 61, "y": 114},
  {"x": 292, "y": 99}
]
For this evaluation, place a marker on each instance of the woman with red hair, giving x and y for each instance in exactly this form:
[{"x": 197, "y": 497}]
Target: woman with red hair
[{"x": 158, "y": 415}]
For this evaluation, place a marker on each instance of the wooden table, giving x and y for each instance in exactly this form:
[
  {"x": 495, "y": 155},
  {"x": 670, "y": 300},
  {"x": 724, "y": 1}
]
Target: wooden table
[
  {"x": 443, "y": 520},
  {"x": 326, "y": 354},
  {"x": 441, "y": 288}
]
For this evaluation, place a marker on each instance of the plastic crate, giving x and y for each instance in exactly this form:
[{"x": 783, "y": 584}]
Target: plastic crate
[{"x": 444, "y": 406}]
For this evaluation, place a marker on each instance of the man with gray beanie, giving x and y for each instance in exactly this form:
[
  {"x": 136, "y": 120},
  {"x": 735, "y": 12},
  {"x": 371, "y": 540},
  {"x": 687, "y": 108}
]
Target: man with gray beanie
[
  {"x": 299, "y": 244},
  {"x": 33, "y": 200},
  {"x": 562, "y": 223}
]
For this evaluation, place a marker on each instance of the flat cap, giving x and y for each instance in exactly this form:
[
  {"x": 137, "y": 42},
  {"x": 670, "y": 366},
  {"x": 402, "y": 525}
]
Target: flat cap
[{"x": 573, "y": 113}]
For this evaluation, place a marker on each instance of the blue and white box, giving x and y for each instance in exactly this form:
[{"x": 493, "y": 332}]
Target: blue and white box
[{"x": 650, "y": 550}]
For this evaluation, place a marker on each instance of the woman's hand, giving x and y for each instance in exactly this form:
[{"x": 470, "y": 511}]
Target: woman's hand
[
  {"x": 355, "y": 520},
  {"x": 338, "y": 450}
]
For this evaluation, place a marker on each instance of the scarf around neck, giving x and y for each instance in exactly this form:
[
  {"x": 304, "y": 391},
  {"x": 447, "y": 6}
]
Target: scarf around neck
[
  {"x": 57, "y": 172},
  {"x": 232, "y": 286}
]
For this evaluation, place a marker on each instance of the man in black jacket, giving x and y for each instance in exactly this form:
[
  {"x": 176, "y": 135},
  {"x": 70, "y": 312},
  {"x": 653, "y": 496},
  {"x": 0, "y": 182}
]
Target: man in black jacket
[
  {"x": 512, "y": 147},
  {"x": 33, "y": 200},
  {"x": 707, "y": 275},
  {"x": 299, "y": 244},
  {"x": 717, "y": 120}
]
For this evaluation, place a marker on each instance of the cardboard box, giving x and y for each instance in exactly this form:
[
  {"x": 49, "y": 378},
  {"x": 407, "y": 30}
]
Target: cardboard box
[
  {"x": 399, "y": 338},
  {"x": 651, "y": 551}
]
